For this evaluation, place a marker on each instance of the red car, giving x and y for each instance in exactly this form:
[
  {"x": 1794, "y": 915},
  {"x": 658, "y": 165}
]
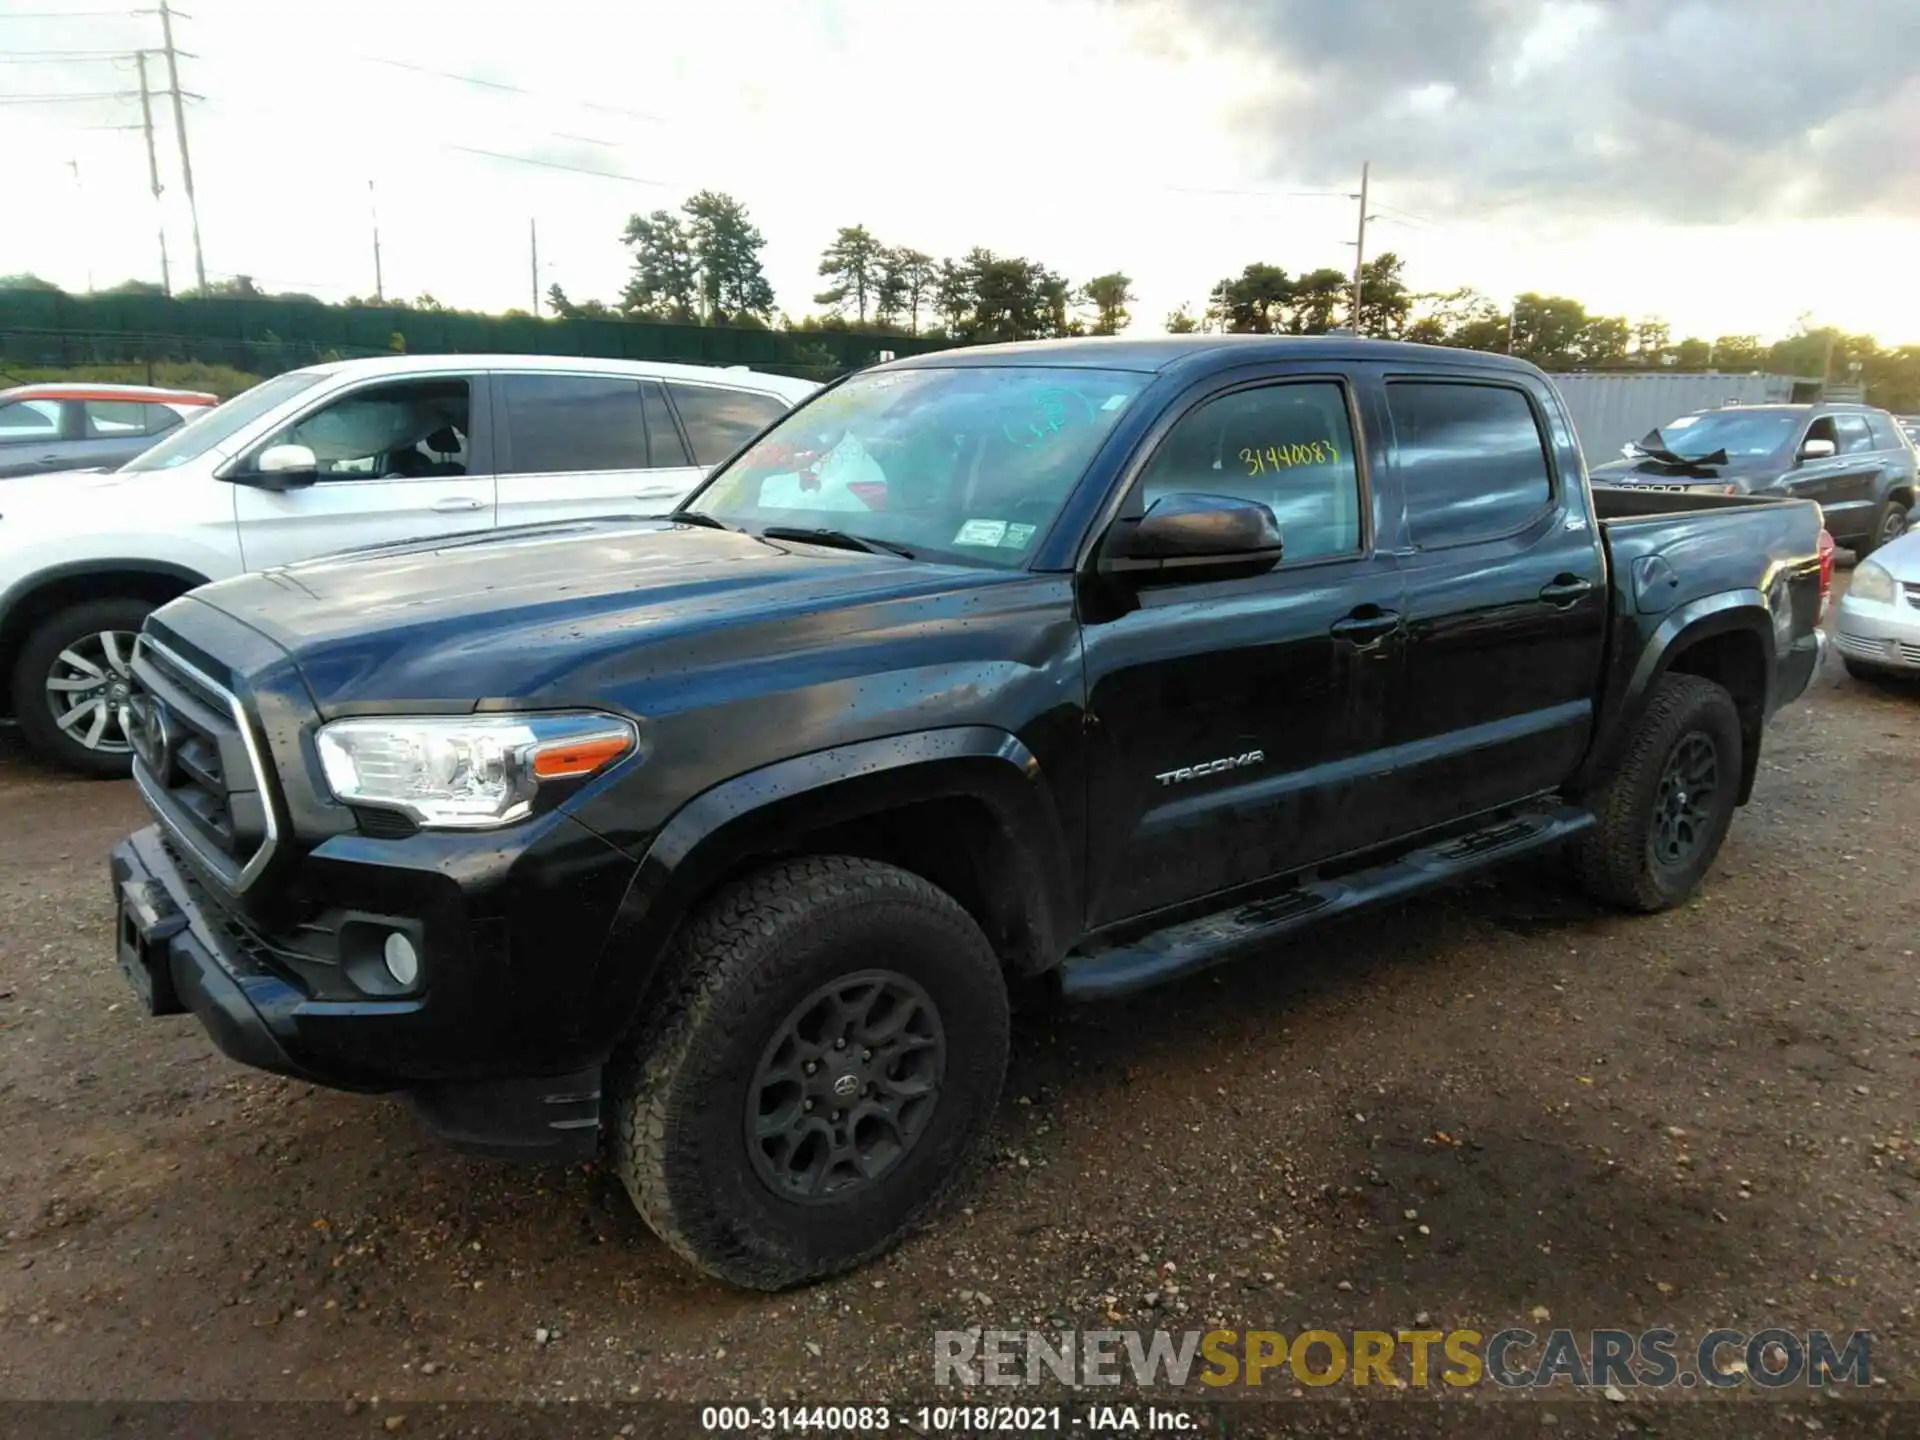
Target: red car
[{"x": 85, "y": 425}]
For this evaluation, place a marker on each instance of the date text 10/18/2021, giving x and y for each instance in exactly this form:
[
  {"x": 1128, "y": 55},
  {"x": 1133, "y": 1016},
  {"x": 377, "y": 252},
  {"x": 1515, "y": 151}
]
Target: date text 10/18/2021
[{"x": 948, "y": 1419}]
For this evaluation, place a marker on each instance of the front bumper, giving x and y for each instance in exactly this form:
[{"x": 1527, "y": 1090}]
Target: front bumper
[
  {"x": 484, "y": 1069},
  {"x": 1886, "y": 635}
]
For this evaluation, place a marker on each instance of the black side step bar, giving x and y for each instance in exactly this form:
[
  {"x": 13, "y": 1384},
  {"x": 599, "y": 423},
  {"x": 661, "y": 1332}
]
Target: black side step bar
[{"x": 1106, "y": 972}]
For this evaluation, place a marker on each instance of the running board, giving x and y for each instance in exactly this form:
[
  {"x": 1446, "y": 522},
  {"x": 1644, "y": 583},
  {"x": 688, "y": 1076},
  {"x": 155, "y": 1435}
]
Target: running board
[{"x": 1109, "y": 971}]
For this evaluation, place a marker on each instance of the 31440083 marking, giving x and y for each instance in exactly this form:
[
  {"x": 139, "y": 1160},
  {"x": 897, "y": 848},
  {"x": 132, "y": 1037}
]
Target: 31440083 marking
[{"x": 1287, "y": 457}]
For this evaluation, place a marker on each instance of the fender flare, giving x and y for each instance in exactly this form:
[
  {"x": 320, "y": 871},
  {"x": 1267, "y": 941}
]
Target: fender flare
[
  {"x": 1726, "y": 612},
  {"x": 76, "y": 569},
  {"x": 766, "y": 810}
]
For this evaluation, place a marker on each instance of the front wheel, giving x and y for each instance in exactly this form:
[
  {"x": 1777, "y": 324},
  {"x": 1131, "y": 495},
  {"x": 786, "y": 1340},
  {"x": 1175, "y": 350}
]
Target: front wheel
[
  {"x": 831, "y": 1044},
  {"x": 71, "y": 683},
  {"x": 1665, "y": 809}
]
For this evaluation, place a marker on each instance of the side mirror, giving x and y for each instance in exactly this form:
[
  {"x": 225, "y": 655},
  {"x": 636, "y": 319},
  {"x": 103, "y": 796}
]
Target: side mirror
[
  {"x": 284, "y": 467},
  {"x": 1819, "y": 450},
  {"x": 1183, "y": 533}
]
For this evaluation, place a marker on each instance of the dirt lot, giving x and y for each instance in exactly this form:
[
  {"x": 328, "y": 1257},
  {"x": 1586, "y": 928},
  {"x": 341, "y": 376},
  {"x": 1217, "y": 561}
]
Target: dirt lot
[{"x": 1704, "y": 1119}]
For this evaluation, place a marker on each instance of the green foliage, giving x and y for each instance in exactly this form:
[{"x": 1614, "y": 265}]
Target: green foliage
[
  {"x": 856, "y": 263},
  {"x": 222, "y": 380},
  {"x": 1252, "y": 304},
  {"x": 907, "y": 282},
  {"x": 665, "y": 283},
  {"x": 726, "y": 247},
  {"x": 1181, "y": 321},
  {"x": 1109, "y": 295},
  {"x": 1385, "y": 303},
  {"x": 26, "y": 280}
]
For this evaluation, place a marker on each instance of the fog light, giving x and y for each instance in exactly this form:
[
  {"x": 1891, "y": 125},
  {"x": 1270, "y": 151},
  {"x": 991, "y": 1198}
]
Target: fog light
[{"x": 403, "y": 961}]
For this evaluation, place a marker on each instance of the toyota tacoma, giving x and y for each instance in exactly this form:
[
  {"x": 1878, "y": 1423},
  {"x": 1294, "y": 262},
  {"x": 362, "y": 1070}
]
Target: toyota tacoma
[{"x": 719, "y": 841}]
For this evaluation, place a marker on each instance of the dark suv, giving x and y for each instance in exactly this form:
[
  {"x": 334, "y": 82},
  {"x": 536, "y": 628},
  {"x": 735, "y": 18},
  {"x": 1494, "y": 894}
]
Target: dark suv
[{"x": 1852, "y": 459}]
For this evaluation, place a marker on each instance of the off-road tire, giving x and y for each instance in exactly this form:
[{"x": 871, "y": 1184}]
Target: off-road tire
[
  {"x": 36, "y": 662},
  {"x": 679, "y": 1089},
  {"x": 1615, "y": 860}
]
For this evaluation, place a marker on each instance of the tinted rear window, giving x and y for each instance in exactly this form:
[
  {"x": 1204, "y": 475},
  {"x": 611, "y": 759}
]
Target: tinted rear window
[
  {"x": 1471, "y": 459},
  {"x": 574, "y": 422}
]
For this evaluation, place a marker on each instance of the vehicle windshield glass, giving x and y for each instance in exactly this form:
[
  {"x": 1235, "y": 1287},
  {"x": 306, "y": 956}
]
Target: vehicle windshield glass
[
  {"x": 1750, "y": 433},
  {"x": 210, "y": 427},
  {"x": 967, "y": 464}
]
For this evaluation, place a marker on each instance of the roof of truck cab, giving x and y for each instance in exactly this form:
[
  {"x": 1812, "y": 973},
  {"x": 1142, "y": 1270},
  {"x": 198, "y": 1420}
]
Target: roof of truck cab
[
  {"x": 403, "y": 365},
  {"x": 1161, "y": 352}
]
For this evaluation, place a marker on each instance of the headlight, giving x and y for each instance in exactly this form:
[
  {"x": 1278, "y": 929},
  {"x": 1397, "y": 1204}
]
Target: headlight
[
  {"x": 1871, "y": 581},
  {"x": 466, "y": 772}
]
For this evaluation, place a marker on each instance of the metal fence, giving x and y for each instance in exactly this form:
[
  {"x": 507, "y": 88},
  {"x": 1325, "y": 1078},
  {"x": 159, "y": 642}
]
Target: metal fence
[{"x": 1609, "y": 408}]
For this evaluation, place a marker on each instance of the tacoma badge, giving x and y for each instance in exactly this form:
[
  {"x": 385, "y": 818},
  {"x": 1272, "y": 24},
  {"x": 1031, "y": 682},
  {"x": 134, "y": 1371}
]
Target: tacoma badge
[{"x": 1212, "y": 767}]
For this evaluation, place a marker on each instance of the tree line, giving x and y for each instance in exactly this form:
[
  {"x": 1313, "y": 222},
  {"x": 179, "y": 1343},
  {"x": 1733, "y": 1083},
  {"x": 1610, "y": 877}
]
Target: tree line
[{"x": 701, "y": 265}]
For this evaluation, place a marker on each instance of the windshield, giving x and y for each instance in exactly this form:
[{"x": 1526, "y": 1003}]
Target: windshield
[
  {"x": 210, "y": 427},
  {"x": 1751, "y": 433},
  {"x": 965, "y": 464}
]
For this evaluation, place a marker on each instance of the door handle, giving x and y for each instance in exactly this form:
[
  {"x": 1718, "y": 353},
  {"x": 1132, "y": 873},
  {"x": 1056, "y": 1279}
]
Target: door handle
[
  {"x": 455, "y": 504},
  {"x": 1366, "y": 631},
  {"x": 1566, "y": 589}
]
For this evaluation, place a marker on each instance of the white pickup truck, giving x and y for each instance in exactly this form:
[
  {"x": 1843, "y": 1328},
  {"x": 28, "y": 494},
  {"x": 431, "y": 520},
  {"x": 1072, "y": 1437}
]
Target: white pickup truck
[{"x": 330, "y": 458}]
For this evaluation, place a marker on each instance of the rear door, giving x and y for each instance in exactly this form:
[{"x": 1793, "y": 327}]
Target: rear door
[
  {"x": 399, "y": 460},
  {"x": 1506, "y": 594},
  {"x": 38, "y": 433},
  {"x": 577, "y": 445},
  {"x": 1232, "y": 719},
  {"x": 117, "y": 430}
]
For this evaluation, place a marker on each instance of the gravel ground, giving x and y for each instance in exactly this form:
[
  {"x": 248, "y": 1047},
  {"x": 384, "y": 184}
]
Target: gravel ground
[{"x": 1472, "y": 1110}]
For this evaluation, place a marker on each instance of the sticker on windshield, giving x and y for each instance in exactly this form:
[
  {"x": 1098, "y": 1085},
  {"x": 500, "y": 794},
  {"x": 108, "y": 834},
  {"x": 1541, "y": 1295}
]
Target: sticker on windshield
[
  {"x": 1114, "y": 402},
  {"x": 1017, "y": 536},
  {"x": 981, "y": 532},
  {"x": 1681, "y": 423}
]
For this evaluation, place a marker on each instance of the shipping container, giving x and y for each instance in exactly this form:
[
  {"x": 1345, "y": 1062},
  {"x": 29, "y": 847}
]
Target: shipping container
[{"x": 1609, "y": 408}]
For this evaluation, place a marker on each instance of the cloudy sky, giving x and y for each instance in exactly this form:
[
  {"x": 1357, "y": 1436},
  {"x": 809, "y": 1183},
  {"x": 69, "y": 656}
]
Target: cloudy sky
[{"x": 1728, "y": 165}]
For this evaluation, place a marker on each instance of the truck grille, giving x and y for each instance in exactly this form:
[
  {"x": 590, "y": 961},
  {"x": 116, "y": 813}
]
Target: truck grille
[
  {"x": 198, "y": 766},
  {"x": 1913, "y": 594}
]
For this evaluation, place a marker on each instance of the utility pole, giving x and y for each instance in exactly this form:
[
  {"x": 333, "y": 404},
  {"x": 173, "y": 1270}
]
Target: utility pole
[
  {"x": 1513, "y": 313},
  {"x": 373, "y": 209},
  {"x": 533, "y": 243},
  {"x": 153, "y": 172},
  {"x": 1360, "y": 247},
  {"x": 180, "y": 131}
]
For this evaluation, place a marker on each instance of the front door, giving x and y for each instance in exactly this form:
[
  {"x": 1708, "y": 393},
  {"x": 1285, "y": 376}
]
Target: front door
[
  {"x": 1506, "y": 597},
  {"x": 398, "y": 460},
  {"x": 1231, "y": 719}
]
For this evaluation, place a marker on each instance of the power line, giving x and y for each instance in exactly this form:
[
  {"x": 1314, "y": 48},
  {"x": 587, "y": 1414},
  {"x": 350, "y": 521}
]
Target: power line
[
  {"x": 557, "y": 165},
  {"x": 72, "y": 99},
  {"x": 486, "y": 84}
]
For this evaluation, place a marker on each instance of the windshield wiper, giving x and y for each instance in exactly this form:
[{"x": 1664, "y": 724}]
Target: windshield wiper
[
  {"x": 839, "y": 538},
  {"x": 696, "y": 517}
]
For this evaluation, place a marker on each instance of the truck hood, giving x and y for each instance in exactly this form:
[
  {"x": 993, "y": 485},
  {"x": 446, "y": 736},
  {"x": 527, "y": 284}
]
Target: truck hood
[{"x": 539, "y": 612}]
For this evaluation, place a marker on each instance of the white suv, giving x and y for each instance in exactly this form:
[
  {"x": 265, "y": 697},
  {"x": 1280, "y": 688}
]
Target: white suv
[{"x": 329, "y": 458}]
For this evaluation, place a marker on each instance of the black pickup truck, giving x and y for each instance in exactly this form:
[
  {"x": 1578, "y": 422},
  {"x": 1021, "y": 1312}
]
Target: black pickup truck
[{"x": 722, "y": 838}]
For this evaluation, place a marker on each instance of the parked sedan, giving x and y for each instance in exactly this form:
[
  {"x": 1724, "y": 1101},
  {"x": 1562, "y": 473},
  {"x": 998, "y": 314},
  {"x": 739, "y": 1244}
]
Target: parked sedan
[
  {"x": 87, "y": 426},
  {"x": 1879, "y": 627}
]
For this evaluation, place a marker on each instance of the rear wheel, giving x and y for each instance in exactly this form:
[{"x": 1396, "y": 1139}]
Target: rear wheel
[
  {"x": 71, "y": 683},
  {"x": 831, "y": 1044},
  {"x": 1888, "y": 526},
  {"x": 1664, "y": 811}
]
